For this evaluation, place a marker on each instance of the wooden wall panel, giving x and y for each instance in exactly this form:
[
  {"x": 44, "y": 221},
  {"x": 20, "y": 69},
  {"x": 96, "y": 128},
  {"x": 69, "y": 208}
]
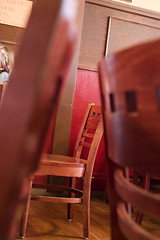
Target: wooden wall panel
[
  {"x": 128, "y": 34},
  {"x": 96, "y": 26},
  {"x": 10, "y": 36},
  {"x": 93, "y": 36}
]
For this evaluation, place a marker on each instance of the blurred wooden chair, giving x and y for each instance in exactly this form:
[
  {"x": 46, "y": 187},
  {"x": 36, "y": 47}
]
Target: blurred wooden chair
[
  {"x": 31, "y": 101},
  {"x": 74, "y": 167},
  {"x": 130, "y": 90}
]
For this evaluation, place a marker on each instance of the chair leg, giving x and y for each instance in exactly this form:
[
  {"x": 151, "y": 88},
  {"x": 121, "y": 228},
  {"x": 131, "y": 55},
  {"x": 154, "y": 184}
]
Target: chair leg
[
  {"x": 70, "y": 206},
  {"x": 129, "y": 207},
  {"x": 70, "y": 210},
  {"x": 86, "y": 214},
  {"x": 24, "y": 218},
  {"x": 145, "y": 185},
  {"x": 105, "y": 197},
  {"x": 116, "y": 233}
]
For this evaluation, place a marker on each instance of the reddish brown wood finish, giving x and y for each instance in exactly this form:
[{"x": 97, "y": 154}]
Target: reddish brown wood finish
[
  {"x": 75, "y": 167},
  {"x": 28, "y": 104},
  {"x": 130, "y": 84}
]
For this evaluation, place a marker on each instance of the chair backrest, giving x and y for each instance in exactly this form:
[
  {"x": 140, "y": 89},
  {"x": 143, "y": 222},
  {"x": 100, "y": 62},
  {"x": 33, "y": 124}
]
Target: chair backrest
[
  {"x": 86, "y": 134},
  {"x": 42, "y": 61},
  {"x": 89, "y": 137},
  {"x": 130, "y": 90}
]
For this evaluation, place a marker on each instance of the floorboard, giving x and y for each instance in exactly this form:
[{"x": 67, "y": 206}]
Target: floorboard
[{"x": 48, "y": 221}]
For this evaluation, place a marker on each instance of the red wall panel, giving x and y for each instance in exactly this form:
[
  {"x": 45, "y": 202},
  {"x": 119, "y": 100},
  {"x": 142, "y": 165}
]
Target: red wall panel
[
  {"x": 87, "y": 91},
  {"x": 47, "y": 149}
]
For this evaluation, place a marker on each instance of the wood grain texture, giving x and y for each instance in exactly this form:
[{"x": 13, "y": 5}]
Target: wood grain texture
[
  {"x": 96, "y": 24},
  {"x": 28, "y": 105},
  {"x": 126, "y": 8},
  {"x": 53, "y": 225},
  {"x": 124, "y": 34}
]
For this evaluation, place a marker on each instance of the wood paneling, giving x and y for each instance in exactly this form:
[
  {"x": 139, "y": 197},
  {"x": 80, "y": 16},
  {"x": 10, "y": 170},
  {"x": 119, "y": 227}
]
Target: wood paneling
[
  {"x": 96, "y": 27},
  {"x": 125, "y": 8},
  {"x": 128, "y": 34},
  {"x": 9, "y": 34},
  {"x": 93, "y": 37}
]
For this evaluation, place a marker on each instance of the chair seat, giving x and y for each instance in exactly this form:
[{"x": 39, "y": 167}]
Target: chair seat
[{"x": 60, "y": 165}]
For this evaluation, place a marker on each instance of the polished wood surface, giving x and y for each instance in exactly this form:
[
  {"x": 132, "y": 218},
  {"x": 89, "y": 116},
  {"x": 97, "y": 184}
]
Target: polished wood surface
[
  {"x": 30, "y": 102},
  {"x": 130, "y": 82},
  {"x": 78, "y": 166},
  {"x": 54, "y": 226}
]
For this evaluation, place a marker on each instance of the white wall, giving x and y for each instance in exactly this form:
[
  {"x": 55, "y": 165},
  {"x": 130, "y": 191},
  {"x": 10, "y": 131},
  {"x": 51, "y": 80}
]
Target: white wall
[{"x": 147, "y": 4}]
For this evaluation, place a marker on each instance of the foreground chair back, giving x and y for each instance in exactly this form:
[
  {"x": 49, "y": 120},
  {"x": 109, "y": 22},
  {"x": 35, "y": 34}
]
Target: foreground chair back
[
  {"x": 30, "y": 100},
  {"x": 130, "y": 89},
  {"x": 76, "y": 167}
]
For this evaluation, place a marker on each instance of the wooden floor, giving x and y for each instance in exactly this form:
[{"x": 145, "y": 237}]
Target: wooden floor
[{"x": 48, "y": 221}]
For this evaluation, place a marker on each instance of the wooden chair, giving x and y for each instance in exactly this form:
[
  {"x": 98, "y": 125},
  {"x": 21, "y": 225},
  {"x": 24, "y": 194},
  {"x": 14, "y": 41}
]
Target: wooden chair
[
  {"x": 130, "y": 90},
  {"x": 31, "y": 99},
  {"x": 74, "y": 167}
]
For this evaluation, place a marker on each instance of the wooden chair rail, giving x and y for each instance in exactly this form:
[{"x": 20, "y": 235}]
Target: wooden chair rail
[
  {"x": 57, "y": 187},
  {"x": 57, "y": 199},
  {"x": 144, "y": 200},
  {"x": 130, "y": 228}
]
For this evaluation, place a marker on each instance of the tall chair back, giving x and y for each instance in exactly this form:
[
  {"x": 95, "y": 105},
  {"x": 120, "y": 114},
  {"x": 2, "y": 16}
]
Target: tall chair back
[
  {"x": 32, "y": 95},
  {"x": 130, "y": 90}
]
